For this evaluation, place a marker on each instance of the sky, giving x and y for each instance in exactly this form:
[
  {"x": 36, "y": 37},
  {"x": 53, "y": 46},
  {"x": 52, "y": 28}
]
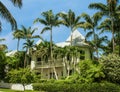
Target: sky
[{"x": 32, "y": 9}]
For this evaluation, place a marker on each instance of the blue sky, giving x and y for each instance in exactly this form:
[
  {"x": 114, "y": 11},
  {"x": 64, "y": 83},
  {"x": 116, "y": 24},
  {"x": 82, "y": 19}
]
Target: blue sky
[{"x": 32, "y": 9}]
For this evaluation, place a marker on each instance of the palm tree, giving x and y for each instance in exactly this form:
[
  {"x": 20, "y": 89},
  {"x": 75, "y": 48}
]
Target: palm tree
[
  {"x": 105, "y": 26},
  {"x": 111, "y": 9},
  {"x": 28, "y": 33},
  {"x": 50, "y": 20},
  {"x": 91, "y": 24},
  {"x": 28, "y": 46},
  {"x": 5, "y": 13},
  {"x": 2, "y": 46},
  {"x": 70, "y": 20},
  {"x": 100, "y": 43},
  {"x": 18, "y": 34},
  {"x": 43, "y": 50}
]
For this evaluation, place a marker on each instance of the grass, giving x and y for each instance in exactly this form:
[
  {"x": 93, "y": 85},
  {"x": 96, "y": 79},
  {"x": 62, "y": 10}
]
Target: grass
[{"x": 9, "y": 90}]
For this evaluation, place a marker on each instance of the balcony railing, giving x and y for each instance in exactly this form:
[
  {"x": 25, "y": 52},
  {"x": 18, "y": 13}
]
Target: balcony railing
[{"x": 49, "y": 64}]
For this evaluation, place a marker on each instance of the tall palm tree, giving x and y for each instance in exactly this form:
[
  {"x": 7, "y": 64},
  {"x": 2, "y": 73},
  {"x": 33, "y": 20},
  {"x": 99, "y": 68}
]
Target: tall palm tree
[
  {"x": 5, "y": 13},
  {"x": 50, "y": 20},
  {"x": 106, "y": 26},
  {"x": 28, "y": 45},
  {"x": 18, "y": 34},
  {"x": 70, "y": 20},
  {"x": 110, "y": 9},
  {"x": 91, "y": 24},
  {"x": 99, "y": 43},
  {"x": 28, "y": 35}
]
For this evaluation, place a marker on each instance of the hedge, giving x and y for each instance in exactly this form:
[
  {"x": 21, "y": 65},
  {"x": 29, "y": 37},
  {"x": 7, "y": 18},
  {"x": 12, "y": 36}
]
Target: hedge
[{"x": 74, "y": 87}]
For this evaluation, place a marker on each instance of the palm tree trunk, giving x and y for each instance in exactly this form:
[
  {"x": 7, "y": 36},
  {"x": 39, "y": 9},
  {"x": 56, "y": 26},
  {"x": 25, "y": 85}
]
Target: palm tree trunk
[
  {"x": 54, "y": 69},
  {"x": 112, "y": 29},
  {"x": 52, "y": 54},
  {"x": 25, "y": 61},
  {"x": 18, "y": 44},
  {"x": 51, "y": 44},
  {"x": 95, "y": 42},
  {"x": 97, "y": 53},
  {"x": 71, "y": 37}
]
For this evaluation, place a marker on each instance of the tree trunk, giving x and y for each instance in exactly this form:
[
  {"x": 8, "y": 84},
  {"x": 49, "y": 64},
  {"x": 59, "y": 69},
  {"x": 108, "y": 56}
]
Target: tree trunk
[
  {"x": 51, "y": 43},
  {"x": 71, "y": 37},
  {"x": 54, "y": 69},
  {"x": 18, "y": 44},
  {"x": 68, "y": 71},
  {"x": 113, "y": 41},
  {"x": 97, "y": 53},
  {"x": 23, "y": 87}
]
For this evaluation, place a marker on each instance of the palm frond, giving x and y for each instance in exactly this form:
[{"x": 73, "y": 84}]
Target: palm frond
[
  {"x": 98, "y": 6},
  {"x": 17, "y": 3},
  {"x": 86, "y": 17},
  {"x": 97, "y": 17},
  {"x": 89, "y": 34},
  {"x": 7, "y": 16},
  {"x": 45, "y": 29}
]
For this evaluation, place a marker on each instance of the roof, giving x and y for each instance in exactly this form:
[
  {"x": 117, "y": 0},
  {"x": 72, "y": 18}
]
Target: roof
[
  {"x": 38, "y": 42},
  {"x": 76, "y": 34},
  {"x": 11, "y": 53},
  {"x": 77, "y": 39}
]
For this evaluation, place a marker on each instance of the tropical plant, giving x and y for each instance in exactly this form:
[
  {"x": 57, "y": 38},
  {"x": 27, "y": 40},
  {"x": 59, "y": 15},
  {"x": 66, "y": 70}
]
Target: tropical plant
[
  {"x": 100, "y": 44},
  {"x": 105, "y": 27},
  {"x": 2, "y": 46},
  {"x": 22, "y": 75},
  {"x": 50, "y": 20},
  {"x": 2, "y": 64},
  {"x": 28, "y": 35},
  {"x": 110, "y": 66},
  {"x": 18, "y": 34},
  {"x": 91, "y": 24},
  {"x": 90, "y": 72},
  {"x": 5, "y": 13},
  {"x": 111, "y": 9},
  {"x": 70, "y": 20},
  {"x": 16, "y": 61},
  {"x": 28, "y": 45}
]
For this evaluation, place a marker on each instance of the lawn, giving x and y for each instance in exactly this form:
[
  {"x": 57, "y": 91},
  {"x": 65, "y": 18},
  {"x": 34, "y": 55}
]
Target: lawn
[{"x": 9, "y": 90}]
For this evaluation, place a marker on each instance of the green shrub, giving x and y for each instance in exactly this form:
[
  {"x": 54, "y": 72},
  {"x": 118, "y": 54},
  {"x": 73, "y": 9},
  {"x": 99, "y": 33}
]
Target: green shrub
[
  {"x": 61, "y": 86},
  {"x": 90, "y": 72},
  {"x": 111, "y": 67}
]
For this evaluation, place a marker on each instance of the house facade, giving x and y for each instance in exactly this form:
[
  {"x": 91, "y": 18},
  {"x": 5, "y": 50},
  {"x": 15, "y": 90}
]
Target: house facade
[{"x": 61, "y": 66}]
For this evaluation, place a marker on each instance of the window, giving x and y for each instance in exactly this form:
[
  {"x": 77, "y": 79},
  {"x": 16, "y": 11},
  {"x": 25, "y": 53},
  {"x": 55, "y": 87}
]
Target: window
[
  {"x": 82, "y": 55},
  {"x": 38, "y": 59}
]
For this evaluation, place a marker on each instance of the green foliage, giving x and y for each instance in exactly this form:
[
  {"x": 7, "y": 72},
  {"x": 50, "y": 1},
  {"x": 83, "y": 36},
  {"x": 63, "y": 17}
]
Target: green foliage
[
  {"x": 2, "y": 64},
  {"x": 16, "y": 61},
  {"x": 23, "y": 76},
  {"x": 65, "y": 86},
  {"x": 111, "y": 67},
  {"x": 90, "y": 72}
]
